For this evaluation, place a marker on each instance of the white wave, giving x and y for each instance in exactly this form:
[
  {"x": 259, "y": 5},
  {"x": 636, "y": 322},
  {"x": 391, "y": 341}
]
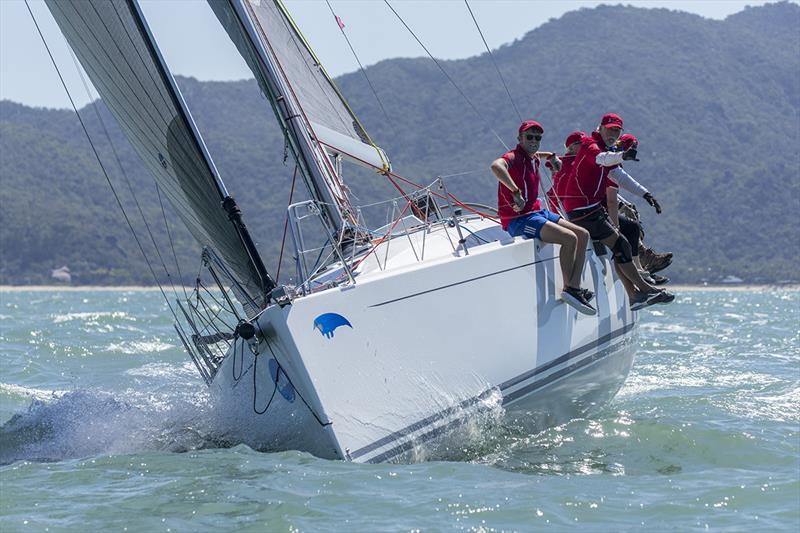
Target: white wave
[
  {"x": 85, "y": 423},
  {"x": 30, "y": 392},
  {"x": 160, "y": 370},
  {"x": 91, "y": 316},
  {"x": 139, "y": 347}
]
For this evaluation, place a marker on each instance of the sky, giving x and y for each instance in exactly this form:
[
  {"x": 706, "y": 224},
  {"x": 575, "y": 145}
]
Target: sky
[{"x": 194, "y": 44}]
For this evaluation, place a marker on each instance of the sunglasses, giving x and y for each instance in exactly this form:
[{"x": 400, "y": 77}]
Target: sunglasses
[{"x": 531, "y": 137}]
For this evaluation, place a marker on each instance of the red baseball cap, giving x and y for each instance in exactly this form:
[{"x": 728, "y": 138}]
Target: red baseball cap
[
  {"x": 574, "y": 137},
  {"x": 611, "y": 121},
  {"x": 628, "y": 140},
  {"x": 528, "y": 124}
]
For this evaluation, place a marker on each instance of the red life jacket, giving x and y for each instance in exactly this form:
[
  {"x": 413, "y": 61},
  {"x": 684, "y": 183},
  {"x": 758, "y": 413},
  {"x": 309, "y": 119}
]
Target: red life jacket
[
  {"x": 560, "y": 181},
  {"x": 524, "y": 172},
  {"x": 588, "y": 181}
]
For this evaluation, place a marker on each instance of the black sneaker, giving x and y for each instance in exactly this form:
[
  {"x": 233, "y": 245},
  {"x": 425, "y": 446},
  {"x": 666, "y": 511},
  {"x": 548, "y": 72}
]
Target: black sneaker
[
  {"x": 574, "y": 298},
  {"x": 640, "y": 301},
  {"x": 654, "y": 262},
  {"x": 661, "y": 297},
  {"x": 659, "y": 280}
]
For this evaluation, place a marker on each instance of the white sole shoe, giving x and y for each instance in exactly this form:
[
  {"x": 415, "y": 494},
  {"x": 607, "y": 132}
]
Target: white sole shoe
[{"x": 578, "y": 305}]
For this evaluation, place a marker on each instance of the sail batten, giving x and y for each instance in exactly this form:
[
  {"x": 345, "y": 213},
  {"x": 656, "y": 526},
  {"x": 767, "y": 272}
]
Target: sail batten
[{"x": 113, "y": 43}]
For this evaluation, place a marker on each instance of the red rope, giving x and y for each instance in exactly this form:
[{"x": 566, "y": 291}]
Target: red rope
[
  {"x": 382, "y": 239},
  {"x": 285, "y": 227}
]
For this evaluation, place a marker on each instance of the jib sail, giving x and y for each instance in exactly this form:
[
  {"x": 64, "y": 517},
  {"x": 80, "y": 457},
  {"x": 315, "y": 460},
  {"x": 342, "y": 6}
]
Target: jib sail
[{"x": 115, "y": 47}]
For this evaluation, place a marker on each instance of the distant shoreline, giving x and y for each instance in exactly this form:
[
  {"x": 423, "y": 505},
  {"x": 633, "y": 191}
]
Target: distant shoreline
[{"x": 141, "y": 288}]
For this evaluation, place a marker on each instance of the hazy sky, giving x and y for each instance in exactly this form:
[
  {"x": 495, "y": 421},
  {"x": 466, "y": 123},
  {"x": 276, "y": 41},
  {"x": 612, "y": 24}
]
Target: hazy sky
[{"x": 194, "y": 44}]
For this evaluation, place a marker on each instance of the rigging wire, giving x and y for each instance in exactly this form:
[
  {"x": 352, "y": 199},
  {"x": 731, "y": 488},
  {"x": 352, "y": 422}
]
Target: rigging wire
[
  {"x": 449, "y": 78},
  {"x": 100, "y": 162},
  {"x": 491, "y": 55},
  {"x": 360, "y": 66},
  {"x": 513, "y": 103},
  {"x": 286, "y": 225},
  {"x": 171, "y": 243}
]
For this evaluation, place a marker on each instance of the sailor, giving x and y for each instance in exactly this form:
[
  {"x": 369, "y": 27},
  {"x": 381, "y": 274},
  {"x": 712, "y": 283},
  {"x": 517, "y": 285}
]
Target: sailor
[
  {"x": 630, "y": 225},
  {"x": 588, "y": 185},
  {"x": 521, "y": 213},
  {"x": 560, "y": 177}
]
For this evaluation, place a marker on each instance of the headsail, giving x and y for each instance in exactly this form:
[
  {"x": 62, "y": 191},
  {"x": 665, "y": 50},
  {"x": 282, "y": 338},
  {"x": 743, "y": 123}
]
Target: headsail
[
  {"x": 115, "y": 47},
  {"x": 306, "y": 100}
]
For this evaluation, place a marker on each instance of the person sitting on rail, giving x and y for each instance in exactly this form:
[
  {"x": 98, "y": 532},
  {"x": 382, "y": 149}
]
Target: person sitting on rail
[
  {"x": 560, "y": 176},
  {"x": 521, "y": 213},
  {"x": 630, "y": 224},
  {"x": 586, "y": 188}
]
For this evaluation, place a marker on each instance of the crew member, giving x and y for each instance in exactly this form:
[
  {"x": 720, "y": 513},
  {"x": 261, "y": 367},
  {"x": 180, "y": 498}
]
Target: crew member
[
  {"x": 560, "y": 177},
  {"x": 586, "y": 189},
  {"x": 521, "y": 213},
  {"x": 630, "y": 225}
]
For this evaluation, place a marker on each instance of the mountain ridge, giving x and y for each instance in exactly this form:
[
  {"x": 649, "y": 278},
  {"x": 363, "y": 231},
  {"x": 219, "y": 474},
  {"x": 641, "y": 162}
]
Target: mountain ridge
[{"x": 704, "y": 96}]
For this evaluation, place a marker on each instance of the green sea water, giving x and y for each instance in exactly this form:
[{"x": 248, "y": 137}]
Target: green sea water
[{"x": 104, "y": 427}]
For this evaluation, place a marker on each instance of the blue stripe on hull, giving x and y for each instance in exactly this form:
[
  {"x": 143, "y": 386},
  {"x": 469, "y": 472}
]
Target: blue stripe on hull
[{"x": 507, "y": 398}]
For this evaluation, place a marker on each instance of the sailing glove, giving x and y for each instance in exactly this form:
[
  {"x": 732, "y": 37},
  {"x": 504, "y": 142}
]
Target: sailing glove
[
  {"x": 653, "y": 202},
  {"x": 629, "y": 154}
]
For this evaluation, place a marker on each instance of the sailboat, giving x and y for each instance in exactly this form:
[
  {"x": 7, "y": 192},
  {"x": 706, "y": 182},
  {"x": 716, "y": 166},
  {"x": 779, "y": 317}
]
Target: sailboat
[{"x": 390, "y": 337}]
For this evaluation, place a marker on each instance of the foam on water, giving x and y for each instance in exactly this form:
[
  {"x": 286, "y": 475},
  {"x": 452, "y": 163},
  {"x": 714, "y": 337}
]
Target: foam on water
[{"x": 85, "y": 423}]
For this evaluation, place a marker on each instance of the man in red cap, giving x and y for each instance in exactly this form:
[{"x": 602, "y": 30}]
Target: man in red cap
[
  {"x": 587, "y": 189},
  {"x": 521, "y": 213},
  {"x": 560, "y": 177}
]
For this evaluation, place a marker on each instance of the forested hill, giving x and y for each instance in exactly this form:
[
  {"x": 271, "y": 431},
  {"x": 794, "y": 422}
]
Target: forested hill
[{"x": 714, "y": 104}]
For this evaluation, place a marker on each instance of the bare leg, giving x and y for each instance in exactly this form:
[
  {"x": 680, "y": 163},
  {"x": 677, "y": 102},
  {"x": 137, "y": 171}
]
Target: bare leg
[
  {"x": 580, "y": 251},
  {"x": 555, "y": 233}
]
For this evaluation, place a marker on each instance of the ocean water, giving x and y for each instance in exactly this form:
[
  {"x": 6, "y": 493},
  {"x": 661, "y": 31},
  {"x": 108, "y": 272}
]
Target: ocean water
[{"x": 103, "y": 428}]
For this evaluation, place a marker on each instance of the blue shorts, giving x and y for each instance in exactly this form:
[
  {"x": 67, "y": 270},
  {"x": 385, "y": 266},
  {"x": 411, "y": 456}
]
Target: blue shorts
[{"x": 530, "y": 225}]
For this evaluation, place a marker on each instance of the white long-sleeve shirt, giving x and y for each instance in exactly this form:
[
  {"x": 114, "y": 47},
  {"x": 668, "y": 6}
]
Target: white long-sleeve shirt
[
  {"x": 627, "y": 182},
  {"x": 608, "y": 159}
]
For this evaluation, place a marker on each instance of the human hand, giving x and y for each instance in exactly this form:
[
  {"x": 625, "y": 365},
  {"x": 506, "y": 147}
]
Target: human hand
[
  {"x": 555, "y": 162},
  {"x": 629, "y": 154},
  {"x": 653, "y": 202},
  {"x": 519, "y": 201}
]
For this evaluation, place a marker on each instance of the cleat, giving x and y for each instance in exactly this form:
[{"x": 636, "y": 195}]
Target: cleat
[{"x": 574, "y": 298}]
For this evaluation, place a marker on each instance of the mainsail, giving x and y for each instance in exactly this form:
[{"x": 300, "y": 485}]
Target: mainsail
[
  {"x": 115, "y": 47},
  {"x": 308, "y": 104}
]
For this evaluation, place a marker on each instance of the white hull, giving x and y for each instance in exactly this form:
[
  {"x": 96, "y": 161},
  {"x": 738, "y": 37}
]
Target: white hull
[{"x": 428, "y": 345}]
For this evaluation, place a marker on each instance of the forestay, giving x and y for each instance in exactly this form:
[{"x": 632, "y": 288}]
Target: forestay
[{"x": 115, "y": 47}]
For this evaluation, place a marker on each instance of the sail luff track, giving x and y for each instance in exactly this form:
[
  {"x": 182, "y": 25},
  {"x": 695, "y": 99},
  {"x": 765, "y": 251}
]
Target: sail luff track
[{"x": 113, "y": 43}]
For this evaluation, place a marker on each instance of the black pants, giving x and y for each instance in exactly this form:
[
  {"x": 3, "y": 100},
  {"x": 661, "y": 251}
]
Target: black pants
[{"x": 631, "y": 230}]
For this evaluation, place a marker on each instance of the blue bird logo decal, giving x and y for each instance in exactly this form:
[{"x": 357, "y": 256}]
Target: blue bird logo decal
[{"x": 328, "y": 322}]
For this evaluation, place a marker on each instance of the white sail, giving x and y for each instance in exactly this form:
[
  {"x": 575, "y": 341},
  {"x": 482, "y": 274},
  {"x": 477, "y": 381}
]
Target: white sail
[
  {"x": 115, "y": 47},
  {"x": 307, "y": 103}
]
